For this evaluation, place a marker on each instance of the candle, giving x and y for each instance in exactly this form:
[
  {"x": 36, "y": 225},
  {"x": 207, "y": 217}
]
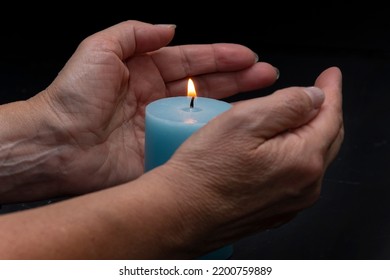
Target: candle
[{"x": 169, "y": 122}]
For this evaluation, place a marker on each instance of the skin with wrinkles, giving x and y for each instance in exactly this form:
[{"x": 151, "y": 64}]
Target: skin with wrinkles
[{"x": 83, "y": 136}]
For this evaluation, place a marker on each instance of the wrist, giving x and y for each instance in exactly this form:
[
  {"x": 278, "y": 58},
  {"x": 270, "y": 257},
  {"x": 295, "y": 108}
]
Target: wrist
[
  {"x": 197, "y": 217},
  {"x": 31, "y": 158}
]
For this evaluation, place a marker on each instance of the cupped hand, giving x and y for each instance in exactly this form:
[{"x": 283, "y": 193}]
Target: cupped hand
[
  {"x": 98, "y": 99},
  {"x": 258, "y": 164}
]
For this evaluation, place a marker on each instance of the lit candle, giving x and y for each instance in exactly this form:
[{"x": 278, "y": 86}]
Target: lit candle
[{"x": 169, "y": 122}]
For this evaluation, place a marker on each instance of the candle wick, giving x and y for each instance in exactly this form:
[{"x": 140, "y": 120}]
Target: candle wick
[{"x": 192, "y": 102}]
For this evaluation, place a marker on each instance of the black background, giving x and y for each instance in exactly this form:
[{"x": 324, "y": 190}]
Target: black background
[{"x": 351, "y": 220}]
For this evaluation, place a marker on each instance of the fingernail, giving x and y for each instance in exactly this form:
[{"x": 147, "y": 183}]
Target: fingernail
[
  {"x": 316, "y": 95},
  {"x": 277, "y": 73},
  {"x": 256, "y": 57},
  {"x": 173, "y": 26}
]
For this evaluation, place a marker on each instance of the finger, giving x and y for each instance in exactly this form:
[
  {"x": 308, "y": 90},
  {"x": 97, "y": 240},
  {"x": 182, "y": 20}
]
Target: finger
[
  {"x": 334, "y": 148},
  {"x": 329, "y": 123},
  {"x": 221, "y": 85},
  {"x": 175, "y": 63},
  {"x": 330, "y": 81},
  {"x": 285, "y": 109},
  {"x": 131, "y": 37}
]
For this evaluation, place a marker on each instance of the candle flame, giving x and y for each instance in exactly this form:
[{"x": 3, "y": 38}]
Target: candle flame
[{"x": 191, "y": 92}]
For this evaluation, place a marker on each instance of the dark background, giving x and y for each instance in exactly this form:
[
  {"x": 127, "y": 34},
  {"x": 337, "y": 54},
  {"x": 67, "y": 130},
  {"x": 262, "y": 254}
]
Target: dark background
[{"x": 351, "y": 220}]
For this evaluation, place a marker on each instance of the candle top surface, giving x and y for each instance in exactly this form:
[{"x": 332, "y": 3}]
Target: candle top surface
[{"x": 177, "y": 109}]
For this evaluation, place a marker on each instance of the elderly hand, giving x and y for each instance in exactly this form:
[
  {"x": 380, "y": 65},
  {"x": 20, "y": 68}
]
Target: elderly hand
[{"x": 266, "y": 158}]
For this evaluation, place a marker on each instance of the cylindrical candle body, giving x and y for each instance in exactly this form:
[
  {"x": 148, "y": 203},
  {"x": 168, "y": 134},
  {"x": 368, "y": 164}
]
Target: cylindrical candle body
[{"x": 168, "y": 123}]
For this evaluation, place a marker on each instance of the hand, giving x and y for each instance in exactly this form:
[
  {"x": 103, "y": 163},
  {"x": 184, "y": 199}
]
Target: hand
[
  {"x": 258, "y": 164},
  {"x": 97, "y": 101}
]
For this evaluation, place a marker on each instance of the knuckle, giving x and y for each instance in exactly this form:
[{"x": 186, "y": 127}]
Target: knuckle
[{"x": 297, "y": 102}]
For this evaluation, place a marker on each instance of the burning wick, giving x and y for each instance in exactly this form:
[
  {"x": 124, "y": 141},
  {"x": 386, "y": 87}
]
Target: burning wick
[{"x": 191, "y": 92}]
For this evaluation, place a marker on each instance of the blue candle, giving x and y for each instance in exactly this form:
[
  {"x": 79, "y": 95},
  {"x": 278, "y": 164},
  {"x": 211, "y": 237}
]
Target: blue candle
[{"x": 169, "y": 122}]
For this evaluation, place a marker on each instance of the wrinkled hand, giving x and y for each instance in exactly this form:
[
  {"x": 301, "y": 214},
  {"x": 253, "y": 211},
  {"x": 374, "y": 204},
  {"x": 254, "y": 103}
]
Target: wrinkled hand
[
  {"x": 261, "y": 162},
  {"x": 97, "y": 101}
]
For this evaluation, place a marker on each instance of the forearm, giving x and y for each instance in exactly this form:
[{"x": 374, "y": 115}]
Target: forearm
[
  {"x": 143, "y": 219},
  {"x": 29, "y": 162}
]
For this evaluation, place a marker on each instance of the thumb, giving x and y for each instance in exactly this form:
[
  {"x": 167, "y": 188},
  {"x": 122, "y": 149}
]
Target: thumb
[
  {"x": 283, "y": 110},
  {"x": 131, "y": 37}
]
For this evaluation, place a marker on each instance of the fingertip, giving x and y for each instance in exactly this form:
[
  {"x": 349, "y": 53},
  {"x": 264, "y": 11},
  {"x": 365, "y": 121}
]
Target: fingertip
[
  {"x": 267, "y": 74},
  {"x": 331, "y": 76}
]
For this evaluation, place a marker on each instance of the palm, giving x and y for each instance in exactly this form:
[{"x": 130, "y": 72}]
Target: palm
[{"x": 110, "y": 99}]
